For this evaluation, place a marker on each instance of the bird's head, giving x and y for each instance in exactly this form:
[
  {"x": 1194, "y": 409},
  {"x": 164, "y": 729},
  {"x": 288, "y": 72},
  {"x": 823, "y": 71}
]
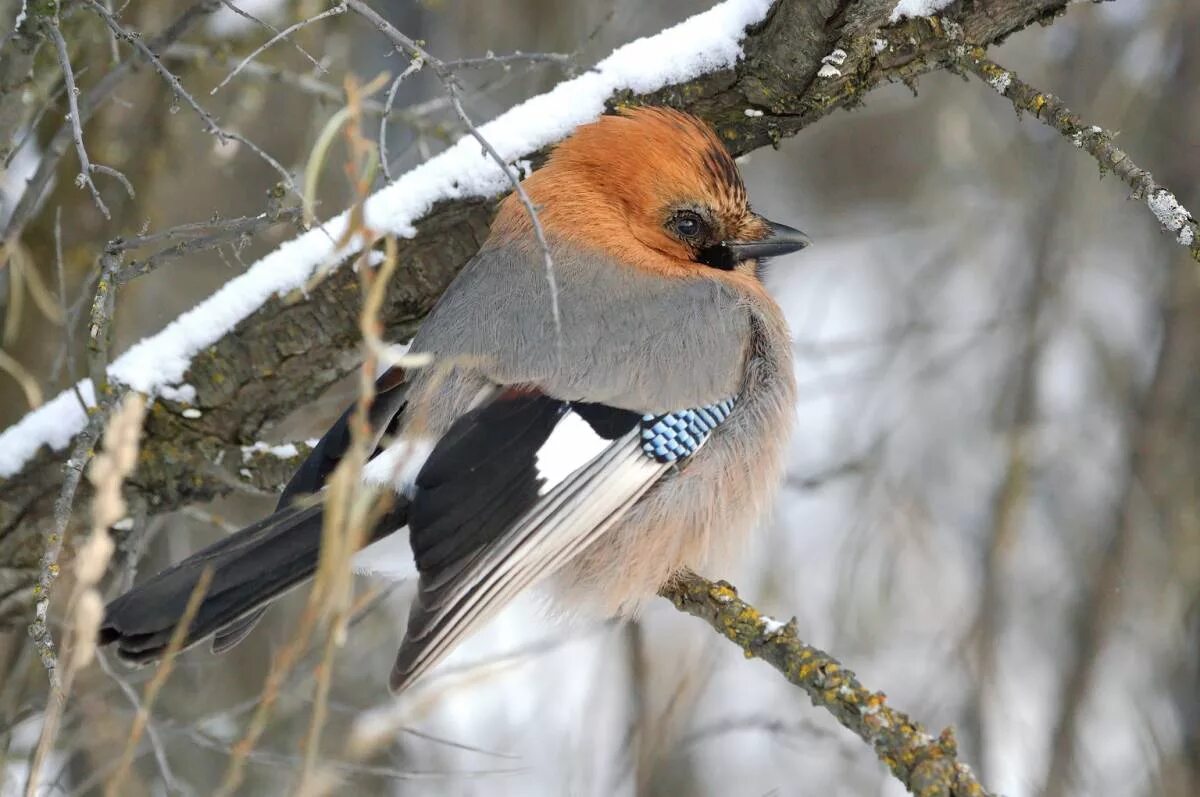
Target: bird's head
[{"x": 653, "y": 188}]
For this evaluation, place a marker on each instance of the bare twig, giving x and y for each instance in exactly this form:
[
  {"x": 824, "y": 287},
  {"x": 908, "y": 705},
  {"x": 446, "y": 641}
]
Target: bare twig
[
  {"x": 53, "y": 539},
  {"x": 491, "y": 59},
  {"x": 180, "y": 92},
  {"x": 85, "y": 609},
  {"x": 413, "y": 66},
  {"x": 244, "y": 14},
  {"x": 197, "y": 238},
  {"x": 178, "y": 636},
  {"x": 925, "y": 765},
  {"x": 53, "y": 151},
  {"x": 104, "y": 305},
  {"x": 454, "y": 91},
  {"x": 156, "y": 744},
  {"x": 279, "y": 36},
  {"x": 1093, "y": 139},
  {"x": 85, "y": 165},
  {"x": 415, "y": 116}
]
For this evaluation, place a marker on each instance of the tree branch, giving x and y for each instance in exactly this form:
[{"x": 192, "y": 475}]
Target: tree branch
[
  {"x": 1093, "y": 139},
  {"x": 927, "y": 767}
]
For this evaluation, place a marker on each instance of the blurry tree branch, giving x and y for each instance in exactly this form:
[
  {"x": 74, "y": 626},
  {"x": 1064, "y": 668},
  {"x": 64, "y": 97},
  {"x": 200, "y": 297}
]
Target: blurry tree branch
[
  {"x": 1093, "y": 139},
  {"x": 288, "y": 352},
  {"x": 927, "y": 767},
  {"x": 17, "y": 55}
]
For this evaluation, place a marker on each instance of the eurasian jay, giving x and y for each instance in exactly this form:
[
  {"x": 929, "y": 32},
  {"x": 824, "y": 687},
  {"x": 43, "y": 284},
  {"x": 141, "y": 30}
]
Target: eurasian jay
[{"x": 595, "y": 433}]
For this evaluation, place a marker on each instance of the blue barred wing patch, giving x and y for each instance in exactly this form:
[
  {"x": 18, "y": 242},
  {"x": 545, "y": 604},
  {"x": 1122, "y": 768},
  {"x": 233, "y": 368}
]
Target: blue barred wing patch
[{"x": 677, "y": 435}]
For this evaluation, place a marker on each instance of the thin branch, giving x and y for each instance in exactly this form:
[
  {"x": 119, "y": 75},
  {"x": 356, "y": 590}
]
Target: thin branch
[
  {"x": 152, "y": 733},
  {"x": 55, "y": 536},
  {"x": 413, "y": 67},
  {"x": 244, "y": 14},
  {"x": 454, "y": 91},
  {"x": 927, "y": 767},
  {"x": 491, "y": 59},
  {"x": 219, "y": 232},
  {"x": 142, "y": 718},
  {"x": 180, "y": 92},
  {"x": 415, "y": 116},
  {"x": 279, "y": 36},
  {"x": 1093, "y": 139},
  {"x": 84, "y": 610},
  {"x": 35, "y": 187},
  {"x": 85, "y": 165}
]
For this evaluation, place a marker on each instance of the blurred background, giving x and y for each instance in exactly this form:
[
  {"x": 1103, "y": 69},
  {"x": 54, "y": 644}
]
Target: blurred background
[{"x": 992, "y": 512}]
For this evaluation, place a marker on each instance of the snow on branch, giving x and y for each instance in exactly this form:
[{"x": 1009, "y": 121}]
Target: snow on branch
[{"x": 704, "y": 43}]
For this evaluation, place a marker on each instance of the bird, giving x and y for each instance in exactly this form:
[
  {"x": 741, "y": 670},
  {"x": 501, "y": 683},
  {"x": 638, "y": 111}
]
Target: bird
[{"x": 591, "y": 425}]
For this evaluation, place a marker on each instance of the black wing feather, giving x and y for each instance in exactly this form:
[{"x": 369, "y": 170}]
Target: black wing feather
[
  {"x": 253, "y": 566},
  {"x": 383, "y": 416},
  {"x": 482, "y": 529},
  {"x": 479, "y": 478}
]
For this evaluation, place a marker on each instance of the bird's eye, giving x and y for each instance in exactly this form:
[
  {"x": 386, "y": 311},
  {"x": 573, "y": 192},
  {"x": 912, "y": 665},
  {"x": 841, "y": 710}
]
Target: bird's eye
[{"x": 688, "y": 224}]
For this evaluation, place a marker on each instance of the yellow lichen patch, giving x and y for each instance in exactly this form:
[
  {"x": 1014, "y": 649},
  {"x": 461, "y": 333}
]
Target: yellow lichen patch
[
  {"x": 1039, "y": 102},
  {"x": 722, "y": 593}
]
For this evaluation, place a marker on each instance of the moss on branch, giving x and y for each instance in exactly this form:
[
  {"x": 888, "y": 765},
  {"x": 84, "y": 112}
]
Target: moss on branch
[{"x": 928, "y": 766}]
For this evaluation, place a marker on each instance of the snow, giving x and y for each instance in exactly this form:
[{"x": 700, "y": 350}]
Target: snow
[
  {"x": 831, "y": 63},
  {"x": 703, "y": 43},
  {"x": 917, "y": 8},
  {"x": 21, "y": 15},
  {"x": 284, "y": 451},
  {"x": 771, "y": 626},
  {"x": 837, "y": 57},
  {"x": 180, "y": 394}
]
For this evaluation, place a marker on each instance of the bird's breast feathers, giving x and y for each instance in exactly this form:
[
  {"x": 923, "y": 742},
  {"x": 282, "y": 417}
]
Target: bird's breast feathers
[{"x": 592, "y": 330}]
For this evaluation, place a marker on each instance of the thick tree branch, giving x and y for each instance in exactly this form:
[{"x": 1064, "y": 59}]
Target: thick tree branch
[
  {"x": 927, "y": 767},
  {"x": 289, "y": 350}
]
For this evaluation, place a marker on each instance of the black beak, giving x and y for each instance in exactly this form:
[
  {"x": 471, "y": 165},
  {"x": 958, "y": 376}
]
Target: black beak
[{"x": 782, "y": 240}]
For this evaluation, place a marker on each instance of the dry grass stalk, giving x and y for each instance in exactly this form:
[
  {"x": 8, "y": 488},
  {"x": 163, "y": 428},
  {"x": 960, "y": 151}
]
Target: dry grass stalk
[
  {"x": 140, "y": 720},
  {"x": 85, "y": 608}
]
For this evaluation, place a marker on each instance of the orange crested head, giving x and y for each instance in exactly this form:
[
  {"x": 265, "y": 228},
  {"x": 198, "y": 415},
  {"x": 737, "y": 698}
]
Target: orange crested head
[{"x": 653, "y": 188}]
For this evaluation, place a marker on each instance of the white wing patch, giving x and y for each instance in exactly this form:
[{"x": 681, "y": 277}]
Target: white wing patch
[
  {"x": 564, "y": 522},
  {"x": 397, "y": 465},
  {"x": 571, "y": 445}
]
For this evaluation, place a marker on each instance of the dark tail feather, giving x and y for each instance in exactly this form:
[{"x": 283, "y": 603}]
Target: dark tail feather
[
  {"x": 250, "y": 569},
  {"x": 257, "y": 564}
]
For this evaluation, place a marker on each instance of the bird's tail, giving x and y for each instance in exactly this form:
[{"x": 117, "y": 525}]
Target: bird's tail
[{"x": 250, "y": 568}]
